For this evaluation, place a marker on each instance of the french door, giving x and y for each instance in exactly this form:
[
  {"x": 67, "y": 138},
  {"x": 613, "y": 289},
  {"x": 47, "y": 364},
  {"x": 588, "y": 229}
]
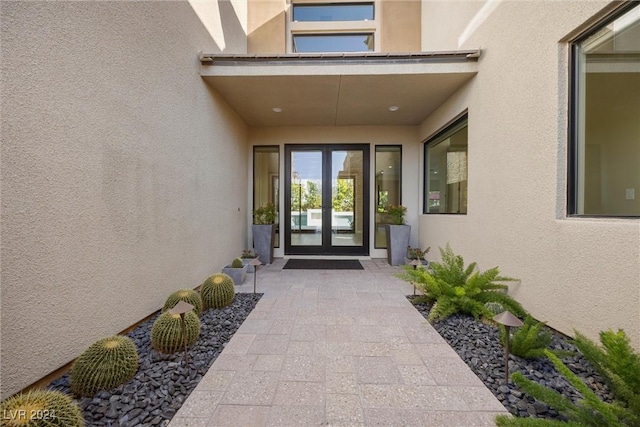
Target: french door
[{"x": 326, "y": 199}]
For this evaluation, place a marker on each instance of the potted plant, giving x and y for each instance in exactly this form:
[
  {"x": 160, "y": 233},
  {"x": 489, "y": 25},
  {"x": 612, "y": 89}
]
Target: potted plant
[
  {"x": 397, "y": 235},
  {"x": 417, "y": 254},
  {"x": 247, "y": 256},
  {"x": 237, "y": 271},
  {"x": 264, "y": 231}
]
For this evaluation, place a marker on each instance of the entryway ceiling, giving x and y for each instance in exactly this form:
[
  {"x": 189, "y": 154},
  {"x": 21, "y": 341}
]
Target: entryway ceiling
[{"x": 327, "y": 90}]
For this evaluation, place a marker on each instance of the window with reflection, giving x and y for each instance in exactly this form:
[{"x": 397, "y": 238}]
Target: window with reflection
[
  {"x": 604, "y": 178},
  {"x": 333, "y": 12},
  {"x": 446, "y": 170},
  {"x": 333, "y": 43},
  {"x": 266, "y": 181},
  {"x": 388, "y": 187}
]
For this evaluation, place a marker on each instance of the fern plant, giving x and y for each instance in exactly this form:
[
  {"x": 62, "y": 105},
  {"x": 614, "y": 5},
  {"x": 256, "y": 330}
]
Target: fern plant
[
  {"x": 589, "y": 411},
  {"x": 528, "y": 341},
  {"x": 618, "y": 364},
  {"x": 454, "y": 288}
]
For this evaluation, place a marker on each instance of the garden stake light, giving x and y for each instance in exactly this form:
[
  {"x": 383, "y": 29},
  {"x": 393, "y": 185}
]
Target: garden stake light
[
  {"x": 507, "y": 319},
  {"x": 255, "y": 262},
  {"x": 415, "y": 263},
  {"x": 181, "y": 308}
]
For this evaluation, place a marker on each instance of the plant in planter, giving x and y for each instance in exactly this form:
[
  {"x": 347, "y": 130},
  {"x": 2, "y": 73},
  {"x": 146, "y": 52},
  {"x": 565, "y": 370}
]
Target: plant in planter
[
  {"x": 237, "y": 270},
  {"x": 417, "y": 254},
  {"x": 247, "y": 256},
  {"x": 264, "y": 231},
  {"x": 397, "y": 235}
]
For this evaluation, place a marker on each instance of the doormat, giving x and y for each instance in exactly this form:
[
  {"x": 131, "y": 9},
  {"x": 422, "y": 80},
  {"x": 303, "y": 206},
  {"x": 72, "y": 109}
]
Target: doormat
[{"x": 323, "y": 264}]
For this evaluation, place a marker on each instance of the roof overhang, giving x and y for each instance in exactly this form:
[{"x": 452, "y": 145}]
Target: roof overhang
[{"x": 338, "y": 89}]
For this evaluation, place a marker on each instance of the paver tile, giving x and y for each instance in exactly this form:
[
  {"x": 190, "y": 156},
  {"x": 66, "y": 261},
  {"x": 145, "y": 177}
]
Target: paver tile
[
  {"x": 344, "y": 409},
  {"x": 300, "y": 393},
  {"x": 240, "y": 415},
  {"x": 251, "y": 388}
]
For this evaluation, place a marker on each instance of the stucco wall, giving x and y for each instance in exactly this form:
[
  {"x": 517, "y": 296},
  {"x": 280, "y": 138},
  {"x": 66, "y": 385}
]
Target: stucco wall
[
  {"x": 266, "y": 26},
  {"x": 123, "y": 173},
  {"x": 396, "y": 15},
  {"x": 576, "y": 273},
  {"x": 374, "y": 135}
]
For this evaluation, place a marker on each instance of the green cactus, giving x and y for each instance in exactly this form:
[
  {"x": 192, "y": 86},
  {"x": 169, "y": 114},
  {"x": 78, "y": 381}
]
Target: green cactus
[
  {"x": 237, "y": 263},
  {"x": 40, "y": 408},
  {"x": 186, "y": 295},
  {"x": 217, "y": 291},
  {"x": 166, "y": 333},
  {"x": 105, "y": 365}
]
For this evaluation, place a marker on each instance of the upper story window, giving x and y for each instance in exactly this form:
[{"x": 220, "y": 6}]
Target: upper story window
[
  {"x": 333, "y": 12},
  {"x": 604, "y": 170},
  {"x": 445, "y": 175},
  {"x": 332, "y": 27}
]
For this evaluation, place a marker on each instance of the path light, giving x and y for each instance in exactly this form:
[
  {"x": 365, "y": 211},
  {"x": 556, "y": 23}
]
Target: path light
[
  {"x": 181, "y": 308},
  {"x": 415, "y": 263},
  {"x": 255, "y": 262},
  {"x": 507, "y": 319}
]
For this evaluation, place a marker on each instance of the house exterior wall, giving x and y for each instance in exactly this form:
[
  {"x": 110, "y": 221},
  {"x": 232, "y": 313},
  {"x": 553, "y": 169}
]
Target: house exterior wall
[
  {"x": 400, "y": 14},
  {"x": 123, "y": 173},
  {"x": 405, "y": 136},
  {"x": 266, "y": 31},
  {"x": 576, "y": 273}
]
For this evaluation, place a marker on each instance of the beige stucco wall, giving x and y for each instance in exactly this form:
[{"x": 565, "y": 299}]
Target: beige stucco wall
[
  {"x": 576, "y": 273},
  {"x": 266, "y": 26},
  {"x": 400, "y": 26},
  {"x": 373, "y": 135},
  {"x": 123, "y": 173}
]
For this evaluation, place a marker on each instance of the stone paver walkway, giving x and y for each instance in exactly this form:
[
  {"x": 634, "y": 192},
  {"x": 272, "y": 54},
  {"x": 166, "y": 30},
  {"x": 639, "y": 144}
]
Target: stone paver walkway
[{"x": 337, "y": 348}]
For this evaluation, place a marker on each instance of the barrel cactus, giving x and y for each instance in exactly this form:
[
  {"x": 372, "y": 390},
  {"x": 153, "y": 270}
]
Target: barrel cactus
[
  {"x": 166, "y": 333},
  {"x": 186, "y": 295},
  {"x": 41, "y": 408},
  {"x": 217, "y": 291},
  {"x": 237, "y": 263},
  {"x": 105, "y": 365}
]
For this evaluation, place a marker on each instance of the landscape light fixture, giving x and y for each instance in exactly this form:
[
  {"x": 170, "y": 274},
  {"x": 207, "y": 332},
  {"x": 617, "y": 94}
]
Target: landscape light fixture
[
  {"x": 255, "y": 262},
  {"x": 507, "y": 319},
  {"x": 182, "y": 308},
  {"x": 415, "y": 263}
]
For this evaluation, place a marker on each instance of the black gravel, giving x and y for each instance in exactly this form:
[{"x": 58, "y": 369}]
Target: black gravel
[
  {"x": 163, "y": 381},
  {"x": 479, "y": 346}
]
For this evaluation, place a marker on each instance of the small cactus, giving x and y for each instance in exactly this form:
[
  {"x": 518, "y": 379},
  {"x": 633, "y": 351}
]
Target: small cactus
[
  {"x": 40, "y": 408},
  {"x": 186, "y": 295},
  {"x": 105, "y": 365},
  {"x": 217, "y": 291},
  {"x": 237, "y": 263},
  {"x": 166, "y": 333}
]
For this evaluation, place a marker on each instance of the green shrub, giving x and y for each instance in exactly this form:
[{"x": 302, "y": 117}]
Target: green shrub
[
  {"x": 41, "y": 408},
  {"x": 396, "y": 214},
  {"x": 105, "y": 365},
  {"x": 186, "y": 295},
  {"x": 237, "y": 263},
  {"x": 217, "y": 291},
  {"x": 265, "y": 214},
  {"x": 589, "y": 411},
  {"x": 456, "y": 289},
  {"x": 166, "y": 332},
  {"x": 528, "y": 341},
  {"x": 618, "y": 363},
  {"x": 494, "y": 307}
]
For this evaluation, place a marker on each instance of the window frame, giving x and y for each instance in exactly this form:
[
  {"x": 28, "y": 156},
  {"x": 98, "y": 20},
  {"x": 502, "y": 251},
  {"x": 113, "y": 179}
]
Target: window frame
[
  {"x": 573, "y": 122},
  {"x": 375, "y": 197},
  {"x": 448, "y": 129}
]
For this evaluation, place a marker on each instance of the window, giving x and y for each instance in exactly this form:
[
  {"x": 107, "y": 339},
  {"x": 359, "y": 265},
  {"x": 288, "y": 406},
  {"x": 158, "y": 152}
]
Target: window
[
  {"x": 446, "y": 170},
  {"x": 333, "y": 12},
  {"x": 332, "y": 27},
  {"x": 266, "y": 180},
  {"x": 388, "y": 187},
  {"x": 604, "y": 177}
]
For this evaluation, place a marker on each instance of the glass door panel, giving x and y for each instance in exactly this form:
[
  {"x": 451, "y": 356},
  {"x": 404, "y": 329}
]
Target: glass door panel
[
  {"x": 346, "y": 198},
  {"x": 306, "y": 198}
]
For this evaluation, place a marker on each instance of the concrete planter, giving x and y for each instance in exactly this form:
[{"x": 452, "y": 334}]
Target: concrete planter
[
  {"x": 397, "y": 243},
  {"x": 237, "y": 274},
  {"x": 251, "y": 268},
  {"x": 263, "y": 238}
]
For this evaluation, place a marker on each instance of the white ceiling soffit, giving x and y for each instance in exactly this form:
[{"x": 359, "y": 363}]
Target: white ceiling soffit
[{"x": 338, "y": 89}]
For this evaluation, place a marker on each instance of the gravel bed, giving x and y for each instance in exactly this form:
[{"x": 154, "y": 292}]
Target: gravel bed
[
  {"x": 478, "y": 345},
  {"x": 163, "y": 381}
]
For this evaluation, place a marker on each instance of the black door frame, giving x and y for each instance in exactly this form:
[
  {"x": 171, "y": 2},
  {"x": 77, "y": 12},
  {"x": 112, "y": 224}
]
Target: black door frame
[{"x": 326, "y": 248}]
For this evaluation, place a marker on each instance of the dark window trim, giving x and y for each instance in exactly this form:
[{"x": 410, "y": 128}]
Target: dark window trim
[
  {"x": 572, "y": 120},
  {"x": 448, "y": 127}
]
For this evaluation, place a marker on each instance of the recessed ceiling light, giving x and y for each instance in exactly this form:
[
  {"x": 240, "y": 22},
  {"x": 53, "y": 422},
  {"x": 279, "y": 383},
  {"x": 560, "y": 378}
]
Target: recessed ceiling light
[
  {"x": 390, "y": 167},
  {"x": 277, "y": 110},
  {"x": 394, "y": 108}
]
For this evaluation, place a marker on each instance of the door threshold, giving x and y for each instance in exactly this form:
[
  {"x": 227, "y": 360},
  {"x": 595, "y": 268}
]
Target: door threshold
[{"x": 358, "y": 257}]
